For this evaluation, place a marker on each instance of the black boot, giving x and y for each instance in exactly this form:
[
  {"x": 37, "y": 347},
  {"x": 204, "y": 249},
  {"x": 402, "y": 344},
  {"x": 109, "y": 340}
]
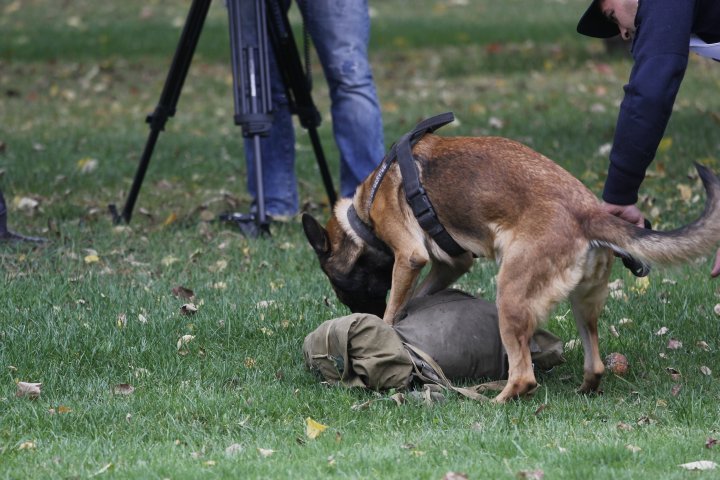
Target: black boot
[{"x": 9, "y": 236}]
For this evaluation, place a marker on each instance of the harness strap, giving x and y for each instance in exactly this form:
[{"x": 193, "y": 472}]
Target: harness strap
[
  {"x": 415, "y": 194},
  {"x": 364, "y": 231}
]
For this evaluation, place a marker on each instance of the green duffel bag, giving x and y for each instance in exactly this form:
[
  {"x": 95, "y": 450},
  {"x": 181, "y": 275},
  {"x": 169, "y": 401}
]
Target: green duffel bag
[
  {"x": 359, "y": 350},
  {"x": 439, "y": 338}
]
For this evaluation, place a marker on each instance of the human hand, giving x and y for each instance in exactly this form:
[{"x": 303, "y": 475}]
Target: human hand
[{"x": 629, "y": 213}]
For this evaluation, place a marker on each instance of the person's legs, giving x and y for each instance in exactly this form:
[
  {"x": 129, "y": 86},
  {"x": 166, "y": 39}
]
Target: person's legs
[
  {"x": 277, "y": 153},
  {"x": 340, "y": 30}
]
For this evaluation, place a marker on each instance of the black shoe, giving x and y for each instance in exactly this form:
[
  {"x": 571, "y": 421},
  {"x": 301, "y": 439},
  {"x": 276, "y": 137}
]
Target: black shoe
[{"x": 9, "y": 236}]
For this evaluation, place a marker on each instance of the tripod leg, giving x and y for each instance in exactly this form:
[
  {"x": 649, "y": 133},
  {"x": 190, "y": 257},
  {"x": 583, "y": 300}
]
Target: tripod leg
[{"x": 168, "y": 99}]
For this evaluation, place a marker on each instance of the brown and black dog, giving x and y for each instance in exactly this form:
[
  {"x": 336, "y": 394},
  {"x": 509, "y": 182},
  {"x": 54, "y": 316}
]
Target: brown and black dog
[{"x": 501, "y": 200}]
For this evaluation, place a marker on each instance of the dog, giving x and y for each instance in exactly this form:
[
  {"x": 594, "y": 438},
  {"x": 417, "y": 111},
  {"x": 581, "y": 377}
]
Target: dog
[{"x": 500, "y": 200}]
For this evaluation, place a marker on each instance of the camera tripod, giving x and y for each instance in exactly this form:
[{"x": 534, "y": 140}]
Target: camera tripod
[{"x": 252, "y": 24}]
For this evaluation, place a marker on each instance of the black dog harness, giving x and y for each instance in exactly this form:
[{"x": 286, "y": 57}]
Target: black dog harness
[{"x": 415, "y": 194}]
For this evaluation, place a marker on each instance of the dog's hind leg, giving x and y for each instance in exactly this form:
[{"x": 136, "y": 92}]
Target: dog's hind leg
[
  {"x": 587, "y": 301},
  {"x": 531, "y": 281}
]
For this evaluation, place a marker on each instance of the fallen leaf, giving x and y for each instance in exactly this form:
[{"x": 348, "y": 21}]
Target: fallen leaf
[
  {"x": 716, "y": 309},
  {"x": 699, "y": 465},
  {"x": 219, "y": 266},
  {"x": 662, "y": 331},
  {"x": 30, "y": 390},
  {"x": 169, "y": 260},
  {"x": 702, "y": 345},
  {"x": 675, "y": 390},
  {"x": 540, "y": 409},
  {"x": 182, "y": 292},
  {"x": 87, "y": 165},
  {"x": 25, "y": 203},
  {"x": 233, "y": 449},
  {"x": 665, "y": 145},
  {"x": 624, "y": 426},
  {"x": 705, "y": 370},
  {"x": 633, "y": 448},
  {"x": 184, "y": 340},
  {"x": 93, "y": 258},
  {"x": 641, "y": 285},
  {"x": 62, "y": 409},
  {"x": 188, "y": 309},
  {"x": 123, "y": 389},
  {"x": 265, "y": 452},
  {"x": 531, "y": 474},
  {"x": 313, "y": 429},
  {"x": 710, "y": 442},
  {"x": 685, "y": 192},
  {"x": 172, "y": 218},
  {"x": 104, "y": 469},
  {"x": 27, "y": 446},
  {"x": 674, "y": 344},
  {"x": 362, "y": 406},
  {"x": 455, "y": 476}
]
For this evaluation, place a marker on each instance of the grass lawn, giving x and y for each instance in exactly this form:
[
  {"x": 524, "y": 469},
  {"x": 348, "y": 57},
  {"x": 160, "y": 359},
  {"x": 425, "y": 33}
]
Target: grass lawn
[{"x": 94, "y": 308}]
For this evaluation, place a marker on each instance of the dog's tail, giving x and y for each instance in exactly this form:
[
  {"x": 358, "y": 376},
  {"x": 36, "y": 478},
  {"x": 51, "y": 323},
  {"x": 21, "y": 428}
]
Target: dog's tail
[{"x": 663, "y": 248}]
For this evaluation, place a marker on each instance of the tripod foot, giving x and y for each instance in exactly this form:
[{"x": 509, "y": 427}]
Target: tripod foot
[{"x": 248, "y": 224}]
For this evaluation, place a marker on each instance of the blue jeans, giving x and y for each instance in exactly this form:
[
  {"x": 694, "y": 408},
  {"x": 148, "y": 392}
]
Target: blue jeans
[{"x": 340, "y": 31}]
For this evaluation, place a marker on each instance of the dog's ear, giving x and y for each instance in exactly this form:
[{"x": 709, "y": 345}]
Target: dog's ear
[{"x": 316, "y": 234}]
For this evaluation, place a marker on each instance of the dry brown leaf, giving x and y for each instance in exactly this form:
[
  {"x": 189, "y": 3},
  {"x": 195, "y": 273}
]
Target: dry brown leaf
[
  {"x": 123, "y": 389},
  {"x": 624, "y": 426},
  {"x": 362, "y": 406},
  {"x": 531, "y": 474},
  {"x": 183, "y": 292},
  {"x": 675, "y": 390},
  {"x": 710, "y": 442},
  {"x": 29, "y": 390}
]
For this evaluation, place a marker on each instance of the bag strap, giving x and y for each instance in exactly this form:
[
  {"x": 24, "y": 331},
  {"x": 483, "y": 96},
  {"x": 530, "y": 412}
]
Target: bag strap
[{"x": 440, "y": 378}]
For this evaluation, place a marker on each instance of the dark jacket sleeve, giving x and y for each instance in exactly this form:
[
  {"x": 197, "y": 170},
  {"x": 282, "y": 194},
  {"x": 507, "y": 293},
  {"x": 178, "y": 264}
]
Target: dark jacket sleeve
[{"x": 660, "y": 50}]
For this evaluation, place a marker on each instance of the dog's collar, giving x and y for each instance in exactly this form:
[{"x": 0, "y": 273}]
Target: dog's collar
[{"x": 366, "y": 233}]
